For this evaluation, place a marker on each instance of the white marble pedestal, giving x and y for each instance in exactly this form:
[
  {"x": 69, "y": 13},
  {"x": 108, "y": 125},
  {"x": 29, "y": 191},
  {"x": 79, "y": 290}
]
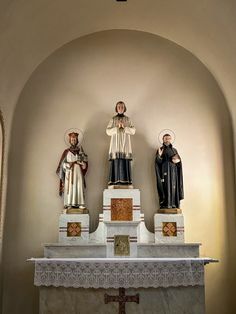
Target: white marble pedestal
[
  {"x": 73, "y": 228},
  {"x": 169, "y": 228}
]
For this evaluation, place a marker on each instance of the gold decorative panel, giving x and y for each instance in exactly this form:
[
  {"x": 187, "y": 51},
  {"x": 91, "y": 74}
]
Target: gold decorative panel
[
  {"x": 122, "y": 209},
  {"x": 169, "y": 229},
  {"x": 73, "y": 229},
  {"x": 121, "y": 245}
]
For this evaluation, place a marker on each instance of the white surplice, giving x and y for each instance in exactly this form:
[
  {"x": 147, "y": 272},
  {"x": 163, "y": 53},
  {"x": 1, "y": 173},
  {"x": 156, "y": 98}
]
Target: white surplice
[{"x": 120, "y": 144}]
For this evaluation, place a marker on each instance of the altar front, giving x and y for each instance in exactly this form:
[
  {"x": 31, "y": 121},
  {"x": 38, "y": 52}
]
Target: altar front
[{"x": 82, "y": 285}]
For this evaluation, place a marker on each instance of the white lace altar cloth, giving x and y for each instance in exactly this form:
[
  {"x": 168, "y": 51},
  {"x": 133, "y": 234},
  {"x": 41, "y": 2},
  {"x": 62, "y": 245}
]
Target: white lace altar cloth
[{"x": 116, "y": 273}]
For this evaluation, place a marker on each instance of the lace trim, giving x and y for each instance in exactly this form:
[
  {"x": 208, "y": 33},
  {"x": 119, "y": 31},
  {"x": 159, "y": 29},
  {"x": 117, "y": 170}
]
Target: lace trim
[{"x": 118, "y": 274}]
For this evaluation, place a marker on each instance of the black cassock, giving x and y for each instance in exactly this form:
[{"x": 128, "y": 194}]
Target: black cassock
[
  {"x": 169, "y": 178},
  {"x": 120, "y": 172}
]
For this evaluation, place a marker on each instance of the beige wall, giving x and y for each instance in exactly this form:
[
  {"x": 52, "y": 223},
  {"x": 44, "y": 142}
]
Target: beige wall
[{"x": 164, "y": 86}]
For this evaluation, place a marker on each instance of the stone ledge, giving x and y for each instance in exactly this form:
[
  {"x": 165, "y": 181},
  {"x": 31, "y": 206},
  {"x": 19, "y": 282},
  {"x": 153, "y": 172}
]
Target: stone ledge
[
  {"x": 122, "y": 222},
  {"x": 74, "y": 251},
  {"x": 152, "y": 250},
  {"x": 168, "y": 250}
]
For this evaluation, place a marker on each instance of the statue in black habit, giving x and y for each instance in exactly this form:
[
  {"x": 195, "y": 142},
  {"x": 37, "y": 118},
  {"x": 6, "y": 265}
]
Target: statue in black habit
[{"x": 169, "y": 175}]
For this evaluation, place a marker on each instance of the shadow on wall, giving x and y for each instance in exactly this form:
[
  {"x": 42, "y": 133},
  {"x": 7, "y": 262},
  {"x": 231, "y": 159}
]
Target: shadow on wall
[{"x": 228, "y": 218}]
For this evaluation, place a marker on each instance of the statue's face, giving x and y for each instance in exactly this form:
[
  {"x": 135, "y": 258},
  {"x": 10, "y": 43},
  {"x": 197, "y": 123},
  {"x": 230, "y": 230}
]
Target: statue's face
[
  {"x": 120, "y": 108},
  {"x": 167, "y": 140},
  {"x": 73, "y": 140}
]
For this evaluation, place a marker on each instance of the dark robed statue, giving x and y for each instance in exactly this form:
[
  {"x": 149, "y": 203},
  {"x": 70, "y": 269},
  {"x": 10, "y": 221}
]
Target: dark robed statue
[
  {"x": 169, "y": 175},
  {"x": 120, "y": 128}
]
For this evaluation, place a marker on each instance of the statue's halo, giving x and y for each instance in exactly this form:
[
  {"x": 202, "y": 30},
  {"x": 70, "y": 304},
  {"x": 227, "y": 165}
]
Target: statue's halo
[
  {"x": 166, "y": 131},
  {"x": 76, "y": 130}
]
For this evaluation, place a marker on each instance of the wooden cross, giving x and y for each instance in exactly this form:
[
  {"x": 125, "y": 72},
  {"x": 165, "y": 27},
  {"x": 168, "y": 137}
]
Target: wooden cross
[{"x": 122, "y": 299}]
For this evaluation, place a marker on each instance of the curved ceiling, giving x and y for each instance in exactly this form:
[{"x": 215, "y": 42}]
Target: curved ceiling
[{"x": 31, "y": 30}]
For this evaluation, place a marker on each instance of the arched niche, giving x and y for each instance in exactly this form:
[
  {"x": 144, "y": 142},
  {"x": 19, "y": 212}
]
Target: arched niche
[{"x": 164, "y": 86}]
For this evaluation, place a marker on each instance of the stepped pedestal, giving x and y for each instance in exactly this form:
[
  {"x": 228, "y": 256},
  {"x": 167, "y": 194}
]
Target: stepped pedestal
[{"x": 121, "y": 232}]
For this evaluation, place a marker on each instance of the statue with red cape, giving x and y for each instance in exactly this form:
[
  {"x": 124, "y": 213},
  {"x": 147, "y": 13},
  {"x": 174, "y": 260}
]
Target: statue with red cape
[{"x": 71, "y": 170}]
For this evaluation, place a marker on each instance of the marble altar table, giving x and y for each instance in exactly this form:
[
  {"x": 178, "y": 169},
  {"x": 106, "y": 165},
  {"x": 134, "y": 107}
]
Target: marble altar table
[{"x": 165, "y": 285}]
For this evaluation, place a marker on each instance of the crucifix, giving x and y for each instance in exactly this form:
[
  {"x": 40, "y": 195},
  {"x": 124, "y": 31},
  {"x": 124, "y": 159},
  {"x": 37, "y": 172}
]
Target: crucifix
[{"x": 122, "y": 299}]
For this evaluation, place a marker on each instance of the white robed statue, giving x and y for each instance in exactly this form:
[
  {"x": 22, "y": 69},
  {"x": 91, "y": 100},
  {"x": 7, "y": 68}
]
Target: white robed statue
[
  {"x": 120, "y": 128},
  {"x": 71, "y": 170}
]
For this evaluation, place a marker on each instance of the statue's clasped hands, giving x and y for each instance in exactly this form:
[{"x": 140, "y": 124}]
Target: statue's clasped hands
[{"x": 121, "y": 125}]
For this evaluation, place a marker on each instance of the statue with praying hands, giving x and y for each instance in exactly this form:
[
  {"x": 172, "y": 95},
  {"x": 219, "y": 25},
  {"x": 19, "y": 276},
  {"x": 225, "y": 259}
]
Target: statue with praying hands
[{"x": 120, "y": 129}]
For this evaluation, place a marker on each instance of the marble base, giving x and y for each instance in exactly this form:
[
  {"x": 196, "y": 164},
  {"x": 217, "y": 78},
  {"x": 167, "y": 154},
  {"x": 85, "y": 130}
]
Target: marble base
[
  {"x": 54, "y": 250},
  {"x": 120, "y": 186},
  {"x": 188, "y": 300},
  {"x": 74, "y": 228},
  {"x": 169, "y": 228},
  {"x": 168, "y": 250},
  {"x": 169, "y": 211}
]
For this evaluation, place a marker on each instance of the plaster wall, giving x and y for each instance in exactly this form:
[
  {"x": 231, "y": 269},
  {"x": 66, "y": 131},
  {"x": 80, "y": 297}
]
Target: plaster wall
[
  {"x": 164, "y": 86},
  {"x": 31, "y": 30}
]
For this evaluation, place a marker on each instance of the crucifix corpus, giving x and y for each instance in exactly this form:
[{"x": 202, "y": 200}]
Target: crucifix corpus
[{"x": 122, "y": 299}]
